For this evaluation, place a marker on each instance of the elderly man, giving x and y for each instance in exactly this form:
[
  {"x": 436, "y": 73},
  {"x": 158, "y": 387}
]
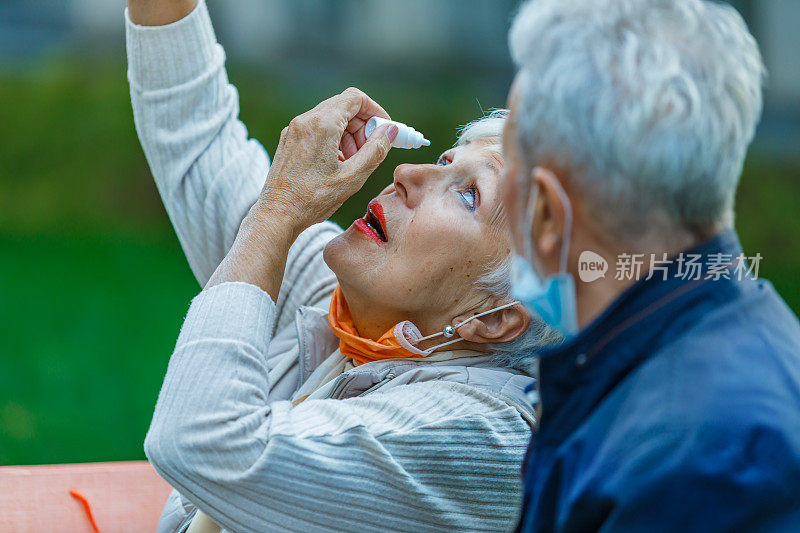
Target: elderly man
[{"x": 675, "y": 402}]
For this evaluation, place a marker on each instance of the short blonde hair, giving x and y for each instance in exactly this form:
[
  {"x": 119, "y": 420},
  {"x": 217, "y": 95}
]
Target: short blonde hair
[{"x": 488, "y": 126}]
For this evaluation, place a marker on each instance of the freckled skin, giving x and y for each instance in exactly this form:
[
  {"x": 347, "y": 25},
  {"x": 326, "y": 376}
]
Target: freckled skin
[{"x": 436, "y": 246}]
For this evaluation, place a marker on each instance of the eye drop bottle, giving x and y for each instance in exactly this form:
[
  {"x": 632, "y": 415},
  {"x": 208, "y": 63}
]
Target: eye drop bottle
[{"x": 407, "y": 137}]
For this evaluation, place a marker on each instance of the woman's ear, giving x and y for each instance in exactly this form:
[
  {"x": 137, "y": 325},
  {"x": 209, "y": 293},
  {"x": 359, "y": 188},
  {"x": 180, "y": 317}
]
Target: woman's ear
[{"x": 503, "y": 325}]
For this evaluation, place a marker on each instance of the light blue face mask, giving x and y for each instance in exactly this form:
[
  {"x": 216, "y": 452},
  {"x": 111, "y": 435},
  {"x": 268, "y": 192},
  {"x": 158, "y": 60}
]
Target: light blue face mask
[{"x": 553, "y": 298}]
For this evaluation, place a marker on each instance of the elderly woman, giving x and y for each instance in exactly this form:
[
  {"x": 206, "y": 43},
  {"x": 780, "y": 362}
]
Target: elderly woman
[{"x": 365, "y": 379}]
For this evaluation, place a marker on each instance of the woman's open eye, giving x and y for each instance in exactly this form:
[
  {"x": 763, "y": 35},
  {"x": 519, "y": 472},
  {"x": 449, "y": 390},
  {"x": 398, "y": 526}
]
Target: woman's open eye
[
  {"x": 442, "y": 160},
  {"x": 470, "y": 196}
]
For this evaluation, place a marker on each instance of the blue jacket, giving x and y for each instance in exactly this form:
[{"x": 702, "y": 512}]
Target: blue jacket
[{"x": 678, "y": 409}]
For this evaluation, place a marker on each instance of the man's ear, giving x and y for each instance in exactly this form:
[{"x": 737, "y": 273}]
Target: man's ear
[
  {"x": 503, "y": 325},
  {"x": 549, "y": 217}
]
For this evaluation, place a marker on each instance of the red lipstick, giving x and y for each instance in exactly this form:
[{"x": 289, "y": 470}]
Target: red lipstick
[
  {"x": 373, "y": 225},
  {"x": 377, "y": 209},
  {"x": 361, "y": 225}
]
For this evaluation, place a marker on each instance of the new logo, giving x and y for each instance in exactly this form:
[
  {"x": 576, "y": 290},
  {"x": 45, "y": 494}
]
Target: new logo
[{"x": 591, "y": 266}]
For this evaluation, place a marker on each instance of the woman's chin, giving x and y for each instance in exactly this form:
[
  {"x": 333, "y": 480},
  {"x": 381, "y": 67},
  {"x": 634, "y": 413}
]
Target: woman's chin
[{"x": 346, "y": 254}]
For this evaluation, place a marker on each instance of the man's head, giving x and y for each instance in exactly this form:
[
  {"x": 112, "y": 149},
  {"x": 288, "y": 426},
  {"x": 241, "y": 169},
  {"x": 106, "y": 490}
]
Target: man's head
[{"x": 641, "y": 110}]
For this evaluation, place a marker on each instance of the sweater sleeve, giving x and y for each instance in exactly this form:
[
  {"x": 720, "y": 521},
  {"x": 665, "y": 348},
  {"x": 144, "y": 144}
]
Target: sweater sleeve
[
  {"x": 422, "y": 457},
  {"x": 186, "y": 112},
  {"x": 207, "y": 172}
]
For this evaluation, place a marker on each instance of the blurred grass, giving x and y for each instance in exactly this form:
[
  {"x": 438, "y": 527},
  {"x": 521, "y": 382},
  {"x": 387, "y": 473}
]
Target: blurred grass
[
  {"x": 94, "y": 286},
  {"x": 87, "y": 324}
]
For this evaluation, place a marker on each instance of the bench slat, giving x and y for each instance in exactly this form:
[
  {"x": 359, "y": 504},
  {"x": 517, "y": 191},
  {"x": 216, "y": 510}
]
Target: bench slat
[{"x": 124, "y": 496}]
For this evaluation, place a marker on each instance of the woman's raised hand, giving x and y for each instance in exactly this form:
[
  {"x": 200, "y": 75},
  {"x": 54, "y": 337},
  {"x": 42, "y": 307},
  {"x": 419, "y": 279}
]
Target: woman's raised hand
[{"x": 323, "y": 156}]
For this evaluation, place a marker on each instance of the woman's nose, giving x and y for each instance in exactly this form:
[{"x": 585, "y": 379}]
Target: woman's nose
[{"x": 410, "y": 181}]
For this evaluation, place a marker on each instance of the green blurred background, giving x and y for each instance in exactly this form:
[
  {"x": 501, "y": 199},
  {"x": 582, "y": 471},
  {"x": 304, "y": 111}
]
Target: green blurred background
[{"x": 93, "y": 283}]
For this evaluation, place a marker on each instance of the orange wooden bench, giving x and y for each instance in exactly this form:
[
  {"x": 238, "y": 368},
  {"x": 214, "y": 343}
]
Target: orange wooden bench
[{"x": 123, "y": 497}]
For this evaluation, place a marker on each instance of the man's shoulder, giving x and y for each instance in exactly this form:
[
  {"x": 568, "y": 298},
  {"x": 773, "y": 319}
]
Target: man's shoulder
[
  {"x": 679, "y": 457},
  {"x": 749, "y": 310},
  {"x": 746, "y": 315},
  {"x": 725, "y": 383},
  {"x": 744, "y": 353},
  {"x": 730, "y": 367},
  {"x": 734, "y": 434},
  {"x": 723, "y": 395}
]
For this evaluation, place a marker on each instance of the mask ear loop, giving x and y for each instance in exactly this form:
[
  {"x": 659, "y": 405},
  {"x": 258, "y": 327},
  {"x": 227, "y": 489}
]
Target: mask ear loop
[
  {"x": 449, "y": 331},
  {"x": 567, "y": 225}
]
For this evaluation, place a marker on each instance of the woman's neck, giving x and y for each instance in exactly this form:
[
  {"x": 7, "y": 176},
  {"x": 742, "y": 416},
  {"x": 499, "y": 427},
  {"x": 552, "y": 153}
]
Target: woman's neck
[
  {"x": 370, "y": 320},
  {"x": 373, "y": 321}
]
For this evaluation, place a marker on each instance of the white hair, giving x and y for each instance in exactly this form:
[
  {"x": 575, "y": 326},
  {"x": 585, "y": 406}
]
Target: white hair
[
  {"x": 521, "y": 352},
  {"x": 488, "y": 126},
  {"x": 647, "y": 106}
]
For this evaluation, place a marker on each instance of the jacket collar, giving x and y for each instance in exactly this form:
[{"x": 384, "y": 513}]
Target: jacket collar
[
  {"x": 316, "y": 342},
  {"x": 315, "y": 339},
  {"x": 574, "y": 376}
]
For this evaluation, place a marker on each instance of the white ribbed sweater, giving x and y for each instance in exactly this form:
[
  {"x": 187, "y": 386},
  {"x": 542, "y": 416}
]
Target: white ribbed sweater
[{"x": 432, "y": 456}]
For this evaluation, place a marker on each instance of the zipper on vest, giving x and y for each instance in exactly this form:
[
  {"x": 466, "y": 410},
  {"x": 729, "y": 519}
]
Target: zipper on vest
[
  {"x": 337, "y": 386},
  {"x": 388, "y": 377},
  {"x": 344, "y": 379}
]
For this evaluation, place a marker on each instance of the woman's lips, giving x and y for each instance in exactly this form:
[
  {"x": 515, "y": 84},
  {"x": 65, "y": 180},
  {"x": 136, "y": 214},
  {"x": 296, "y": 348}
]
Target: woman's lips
[
  {"x": 373, "y": 225},
  {"x": 376, "y": 209},
  {"x": 362, "y": 226}
]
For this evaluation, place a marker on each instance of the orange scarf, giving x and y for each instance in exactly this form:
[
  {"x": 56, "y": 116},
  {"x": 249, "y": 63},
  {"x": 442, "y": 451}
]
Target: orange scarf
[{"x": 392, "y": 345}]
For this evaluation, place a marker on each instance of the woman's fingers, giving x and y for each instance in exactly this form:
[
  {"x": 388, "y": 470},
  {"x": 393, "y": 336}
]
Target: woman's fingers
[
  {"x": 323, "y": 156},
  {"x": 359, "y": 105},
  {"x": 355, "y": 125},
  {"x": 355, "y": 101},
  {"x": 354, "y": 137},
  {"x": 356, "y": 128},
  {"x": 352, "y": 109},
  {"x": 349, "y": 146},
  {"x": 371, "y": 154},
  {"x": 360, "y": 136}
]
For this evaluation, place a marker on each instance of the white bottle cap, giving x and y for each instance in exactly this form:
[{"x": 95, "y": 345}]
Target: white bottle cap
[{"x": 407, "y": 137}]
